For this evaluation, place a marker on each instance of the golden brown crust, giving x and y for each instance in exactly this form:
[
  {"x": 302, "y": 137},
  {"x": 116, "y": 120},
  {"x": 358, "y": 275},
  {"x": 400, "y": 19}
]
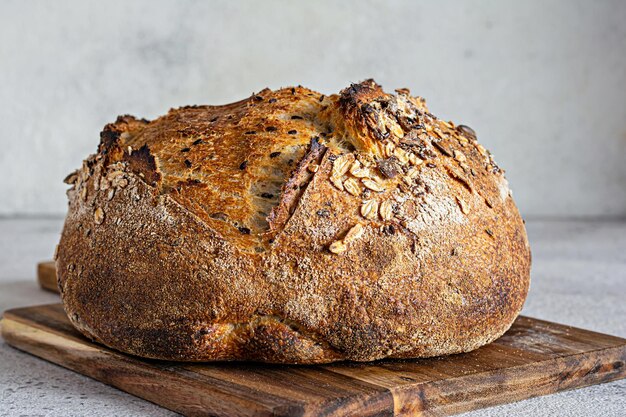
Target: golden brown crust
[{"x": 293, "y": 227}]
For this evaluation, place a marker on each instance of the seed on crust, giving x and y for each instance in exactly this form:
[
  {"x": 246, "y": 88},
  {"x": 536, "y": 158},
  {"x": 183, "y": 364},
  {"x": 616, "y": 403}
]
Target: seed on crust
[
  {"x": 98, "y": 215},
  {"x": 313, "y": 167},
  {"x": 394, "y": 128},
  {"x": 389, "y": 147},
  {"x": 402, "y": 155},
  {"x": 414, "y": 160},
  {"x": 351, "y": 185},
  {"x": 354, "y": 233},
  {"x": 117, "y": 179},
  {"x": 337, "y": 183},
  {"x": 83, "y": 193},
  {"x": 360, "y": 173},
  {"x": 337, "y": 247},
  {"x": 413, "y": 173},
  {"x": 369, "y": 209},
  {"x": 467, "y": 131},
  {"x": 372, "y": 185},
  {"x": 71, "y": 179},
  {"x": 388, "y": 167},
  {"x": 386, "y": 210},
  {"x": 111, "y": 194},
  {"x": 341, "y": 165},
  {"x": 114, "y": 174},
  {"x": 459, "y": 156},
  {"x": 357, "y": 170},
  {"x": 365, "y": 159},
  {"x": 104, "y": 184}
]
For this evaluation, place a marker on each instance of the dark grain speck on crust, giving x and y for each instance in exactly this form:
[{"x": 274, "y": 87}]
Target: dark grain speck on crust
[{"x": 218, "y": 233}]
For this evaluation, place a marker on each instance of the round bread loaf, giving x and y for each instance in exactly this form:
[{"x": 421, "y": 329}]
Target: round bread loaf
[{"x": 293, "y": 227}]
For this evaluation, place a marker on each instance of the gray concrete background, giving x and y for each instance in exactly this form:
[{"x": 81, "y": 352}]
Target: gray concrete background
[{"x": 543, "y": 82}]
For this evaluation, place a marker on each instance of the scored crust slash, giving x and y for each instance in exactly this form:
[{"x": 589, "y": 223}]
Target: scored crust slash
[{"x": 293, "y": 227}]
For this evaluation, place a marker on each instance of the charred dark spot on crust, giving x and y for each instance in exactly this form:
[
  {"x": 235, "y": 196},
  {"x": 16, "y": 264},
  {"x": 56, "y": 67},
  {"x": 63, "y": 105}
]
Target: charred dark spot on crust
[
  {"x": 274, "y": 154},
  {"x": 323, "y": 213},
  {"x": 197, "y": 142},
  {"x": 267, "y": 195},
  {"x": 189, "y": 182},
  {"x": 489, "y": 232},
  {"x": 353, "y": 95},
  {"x": 250, "y": 132},
  {"x": 109, "y": 138},
  {"x": 201, "y": 332},
  {"x": 296, "y": 117},
  {"x": 292, "y": 132},
  {"x": 431, "y": 165},
  {"x": 188, "y": 163},
  {"x": 258, "y": 98},
  {"x": 142, "y": 163},
  {"x": 127, "y": 118},
  {"x": 321, "y": 98},
  {"x": 243, "y": 165},
  {"x": 219, "y": 216},
  {"x": 272, "y": 100},
  {"x": 185, "y": 150},
  {"x": 363, "y": 105},
  {"x": 389, "y": 230},
  {"x": 244, "y": 230},
  {"x": 293, "y": 90},
  {"x": 270, "y": 129}
]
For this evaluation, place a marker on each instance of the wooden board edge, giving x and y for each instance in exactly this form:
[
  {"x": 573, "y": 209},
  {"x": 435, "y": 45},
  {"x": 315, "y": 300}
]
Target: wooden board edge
[
  {"x": 47, "y": 277},
  {"x": 467, "y": 393},
  {"x": 152, "y": 383}
]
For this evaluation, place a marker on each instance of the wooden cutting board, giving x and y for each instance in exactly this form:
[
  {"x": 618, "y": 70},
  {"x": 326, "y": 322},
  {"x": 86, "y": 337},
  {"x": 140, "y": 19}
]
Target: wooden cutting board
[
  {"x": 47, "y": 276},
  {"x": 533, "y": 358}
]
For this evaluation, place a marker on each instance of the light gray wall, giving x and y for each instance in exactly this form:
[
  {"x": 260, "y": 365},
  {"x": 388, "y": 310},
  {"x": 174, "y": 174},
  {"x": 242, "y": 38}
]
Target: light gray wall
[{"x": 542, "y": 82}]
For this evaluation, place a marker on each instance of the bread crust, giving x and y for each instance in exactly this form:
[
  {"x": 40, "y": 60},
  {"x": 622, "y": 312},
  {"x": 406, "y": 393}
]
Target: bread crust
[{"x": 217, "y": 233}]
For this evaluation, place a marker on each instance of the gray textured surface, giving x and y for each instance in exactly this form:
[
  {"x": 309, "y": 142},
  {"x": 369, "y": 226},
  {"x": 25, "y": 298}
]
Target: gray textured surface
[
  {"x": 579, "y": 278},
  {"x": 541, "y": 81}
]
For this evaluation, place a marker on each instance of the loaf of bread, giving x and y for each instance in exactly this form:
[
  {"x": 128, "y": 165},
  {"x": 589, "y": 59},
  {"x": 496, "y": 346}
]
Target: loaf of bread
[{"x": 292, "y": 227}]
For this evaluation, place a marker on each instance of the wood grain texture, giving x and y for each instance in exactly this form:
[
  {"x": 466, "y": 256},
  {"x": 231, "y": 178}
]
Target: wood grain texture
[
  {"x": 533, "y": 358},
  {"x": 47, "y": 276}
]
